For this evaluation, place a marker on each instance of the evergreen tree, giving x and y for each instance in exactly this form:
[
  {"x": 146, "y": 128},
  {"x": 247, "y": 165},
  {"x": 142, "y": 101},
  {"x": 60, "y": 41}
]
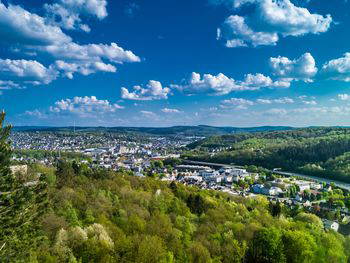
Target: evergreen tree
[{"x": 20, "y": 205}]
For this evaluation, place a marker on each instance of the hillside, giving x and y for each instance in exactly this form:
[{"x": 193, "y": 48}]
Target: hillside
[
  {"x": 323, "y": 152},
  {"x": 100, "y": 216}
]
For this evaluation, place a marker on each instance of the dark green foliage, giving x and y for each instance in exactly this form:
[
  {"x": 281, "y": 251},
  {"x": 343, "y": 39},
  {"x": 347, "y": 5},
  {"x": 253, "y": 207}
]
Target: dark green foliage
[
  {"x": 196, "y": 204},
  {"x": 20, "y": 206}
]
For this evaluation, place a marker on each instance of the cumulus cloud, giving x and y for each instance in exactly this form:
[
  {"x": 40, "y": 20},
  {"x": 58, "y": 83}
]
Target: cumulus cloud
[
  {"x": 84, "y": 106},
  {"x": 31, "y": 34},
  {"x": 221, "y": 84},
  {"x": 338, "y": 69},
  {"x": 18, "y": 26},
  {"x": 238, "y": 34},
  {"x": 167, "y": 110},
  {"x": 88, "y": 59},
  {"x": 267, "y": 20},
  {"x": 153, "y": 91},
  {"x": 257, "y": 81},
  {"x": 210, "y": 84},
  {"x": 26, "y": 70},
  {"x": 68, "y": 69},
  {"x": 68, "y": 13},
  {"x": 303, "y": 68},
  {"x": 91, "y": 52}
]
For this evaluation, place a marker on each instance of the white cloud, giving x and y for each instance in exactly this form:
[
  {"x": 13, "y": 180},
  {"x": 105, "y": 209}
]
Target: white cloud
[
  {"x": 209, "y": 84},
  {"x": 221, "y": 84},
  {"x": 238, "y": 34},
  {"x": 267, "y": 20},
  {"x": 88, "y": 59},
  {"x": 264, "y": 101},
  {"x": 309, "y": 102},
  {"x": 153, "y": 91},
  {"x": 36, "y": 114},
  {"x": 84, "y": 106},
  {"x": 91, "y": 52},
  {"x": 9, "y": 84},
  {"x": 18, "y": 26},
  {"x": 304, "y": 68},
  {"x": 67, "y": 13},
  {"x": 68, "y": 69},
  {"x": 338, "y": 69},
  {"x": 237, "y": 103},
  {"x": 276, "y": 111},
  {"x": 345, "y": 97},
  {"x": 149, "y": 114},
  {"x": 26, "y": 70},
  {"x": 257, "y": 81},
  {"x": 167, "y": 110},
  {"x": 31, "y": 34},
  {"x": 284, "y": 100}
]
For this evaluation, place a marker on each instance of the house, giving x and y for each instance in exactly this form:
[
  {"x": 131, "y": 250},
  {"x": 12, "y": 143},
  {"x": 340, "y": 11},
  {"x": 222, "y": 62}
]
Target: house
[
  {"x": 303, "y": 185},
  {"x": 257, "y": 188},
  {"x": 298, "y": 198},
  {"x": 328, "y": 224},
  {"x": 272, "y": 191},
  {"x": 316, "y": 186}
]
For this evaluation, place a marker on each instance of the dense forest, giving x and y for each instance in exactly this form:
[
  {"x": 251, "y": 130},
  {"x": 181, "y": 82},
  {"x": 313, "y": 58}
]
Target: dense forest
[
  {"x": 76, "y": 214},
  {"x": 323, "y": 152}
]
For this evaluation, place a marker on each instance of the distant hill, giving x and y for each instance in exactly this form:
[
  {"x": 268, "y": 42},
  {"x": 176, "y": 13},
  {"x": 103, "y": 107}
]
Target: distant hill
[{"x": 200, "y": 130}]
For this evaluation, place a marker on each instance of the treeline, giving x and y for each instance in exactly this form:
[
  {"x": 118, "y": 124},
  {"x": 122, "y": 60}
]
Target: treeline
[
  {"x": 320, "y": 151},
  {"x": 42, "y": 154}
]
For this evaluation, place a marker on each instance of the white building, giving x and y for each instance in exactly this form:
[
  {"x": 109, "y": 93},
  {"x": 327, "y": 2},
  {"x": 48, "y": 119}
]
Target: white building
[
  {"x": 328, "y": 224},
  {"x": 303, "y": 185}
]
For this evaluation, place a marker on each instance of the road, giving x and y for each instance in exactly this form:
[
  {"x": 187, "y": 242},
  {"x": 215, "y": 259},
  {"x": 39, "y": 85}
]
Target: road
[{"x": 339, "y": 184}]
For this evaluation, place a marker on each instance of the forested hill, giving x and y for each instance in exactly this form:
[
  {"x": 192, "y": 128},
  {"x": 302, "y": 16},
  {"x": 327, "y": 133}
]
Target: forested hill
[
  {"x": 200, "y": 130},
  {"x": 102, "y": 216},
  {"x": 323, "y": 152}
]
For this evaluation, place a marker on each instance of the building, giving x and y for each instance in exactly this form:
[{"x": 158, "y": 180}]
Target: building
[
  {"x": 328, "y": 224},
  {"x": 303, "y": 185}
]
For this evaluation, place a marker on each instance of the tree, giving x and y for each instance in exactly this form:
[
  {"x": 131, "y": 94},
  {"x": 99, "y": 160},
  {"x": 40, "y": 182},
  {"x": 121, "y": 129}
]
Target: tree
[
  {"x": 299, "y": 246},
  {"x": 64, "y": 172},
  {"x": 266, "y": 246},
  {"x": 196, "y": 204},
  {"x": 20, "y": 205}
]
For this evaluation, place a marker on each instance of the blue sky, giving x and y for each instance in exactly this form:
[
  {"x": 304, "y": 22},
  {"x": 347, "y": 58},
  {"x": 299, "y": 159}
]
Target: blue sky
[{"x": 163, "y": 63}]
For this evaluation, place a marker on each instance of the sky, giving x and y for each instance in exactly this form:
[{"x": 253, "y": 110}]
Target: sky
[{"x": 162, "y": 63}]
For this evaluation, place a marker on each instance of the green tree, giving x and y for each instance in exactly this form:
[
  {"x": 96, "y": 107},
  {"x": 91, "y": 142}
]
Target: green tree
[
  {"x": 267, "y": 247},
  {"x": 20, "y": 206}
]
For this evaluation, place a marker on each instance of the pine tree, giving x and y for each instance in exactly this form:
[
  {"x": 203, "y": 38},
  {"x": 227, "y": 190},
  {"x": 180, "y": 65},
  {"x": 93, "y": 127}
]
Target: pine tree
[{"x": 20, "y": 205}]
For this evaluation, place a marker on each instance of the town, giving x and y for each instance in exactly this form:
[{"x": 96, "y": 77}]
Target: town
[{"x": 160, "y": 157}]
